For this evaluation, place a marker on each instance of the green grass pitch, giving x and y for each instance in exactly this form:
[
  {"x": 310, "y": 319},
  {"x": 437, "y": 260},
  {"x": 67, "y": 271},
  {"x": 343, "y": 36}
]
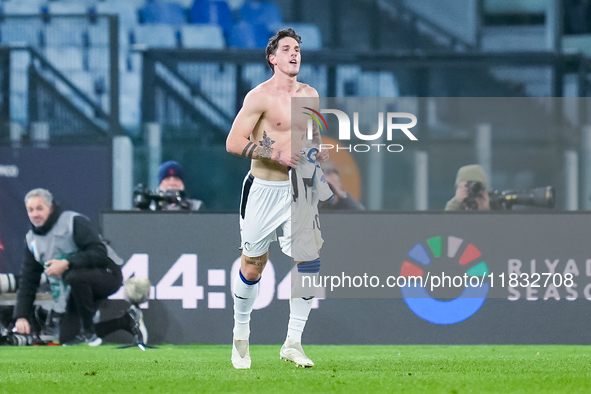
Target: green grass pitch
[{"x": 347, "y": 369}]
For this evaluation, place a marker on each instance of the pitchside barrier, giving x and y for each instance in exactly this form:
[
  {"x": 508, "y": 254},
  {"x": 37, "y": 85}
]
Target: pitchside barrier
[{"x": 388, "y": 278}]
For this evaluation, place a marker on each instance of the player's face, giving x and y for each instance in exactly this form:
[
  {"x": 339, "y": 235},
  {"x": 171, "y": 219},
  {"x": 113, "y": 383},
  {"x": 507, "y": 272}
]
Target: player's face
[
  {"x": 172, "y": 183},
  {"x": 38, "y": 212},
  {"x": 287, "y": 57}
]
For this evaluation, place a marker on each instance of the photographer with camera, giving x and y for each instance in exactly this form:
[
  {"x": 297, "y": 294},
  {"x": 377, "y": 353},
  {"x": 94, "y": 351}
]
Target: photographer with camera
[
  {"x": 170, "y": 195},
  {"x": 471, "y": 190},
  {"x": 81, "y": 269},
  {"x": 472, "y": 194}
]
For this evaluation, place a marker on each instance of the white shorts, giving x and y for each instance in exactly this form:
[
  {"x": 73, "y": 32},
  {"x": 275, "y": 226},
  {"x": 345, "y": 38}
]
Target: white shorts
[{"x": 267, "y": 206}]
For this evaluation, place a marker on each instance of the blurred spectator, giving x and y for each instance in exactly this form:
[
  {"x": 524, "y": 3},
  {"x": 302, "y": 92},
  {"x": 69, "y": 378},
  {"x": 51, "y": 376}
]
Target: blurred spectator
[
  {"x": 342, "y": 200},
  {"x": 170, "y": 195},
  {"x": 471, "y": 190},
  {"x": 171, "y": 177}
]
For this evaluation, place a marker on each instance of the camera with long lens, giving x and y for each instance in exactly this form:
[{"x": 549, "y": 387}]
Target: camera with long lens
[
  {"x": 542, "y": 197},
  {"x": 14, "y": 339},
  {"x": 159, "y": 200},
  {"x": 8, "y": 283}
]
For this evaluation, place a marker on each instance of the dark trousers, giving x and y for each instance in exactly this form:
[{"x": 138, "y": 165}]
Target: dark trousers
[{"x": 87, "y": 287}]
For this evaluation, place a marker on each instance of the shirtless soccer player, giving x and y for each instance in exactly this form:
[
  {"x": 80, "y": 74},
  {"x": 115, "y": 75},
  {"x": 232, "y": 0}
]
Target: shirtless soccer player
[{"x": 264, "y": 132}]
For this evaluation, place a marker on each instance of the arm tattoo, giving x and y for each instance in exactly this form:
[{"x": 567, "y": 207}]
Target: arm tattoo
[
  {"x": 316, "y": 138},
  {"x": 249, "y": 149},
  {"x": 250, "y": 152},
  {"x": 265, "y": 150},
  {"x": 246, "y": 148}
]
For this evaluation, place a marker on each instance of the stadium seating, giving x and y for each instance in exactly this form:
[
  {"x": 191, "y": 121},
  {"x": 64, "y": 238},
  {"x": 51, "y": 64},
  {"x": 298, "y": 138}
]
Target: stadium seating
[
  {"x": 19, "y": 60},
  {"x": 133, "y": 62},
  {"x": 128, "y": 19},
  {"x": 155, "y": 35},
  {"x": 130, "y": 84},
  {"x": 65, "y": 58},
  {"x": 129, "y": 100},
  {"x": 64, "y": 34},
  {"x": 246, "y": 35},
  {"x": 98, "y": 34},
  {"x": 80, "y": 50},
  {"x": 162, "y": 12},
  {"x": 128, "y": 14},
  {"x": 211, "y": 11},
  {"x": 261, "y": 12},
  {"x": 58, "y": 7},
  {"x": 18, "y": 106},
  {"x": 20, "y": 8},
  {"x": 377, "y": 84},
  {"x": 186, "y": 4},
  {"x": 213, "y": 79},
  {"x": 347, "y": 81},
  {"x": 256, "y": 73},
  {"x": 311, "y": 37},
  {"x": 97, "y": 58},
  {"x": 12, "y": 32},
  {"x": 202, "y": 36},
  {"x": 86, "y": 3},
  {"x": 19, "y": 82},
  {"x": 83, "y": 80},
  {"x": 314, "y": 75},
  {"x": 352, "y": 81}
]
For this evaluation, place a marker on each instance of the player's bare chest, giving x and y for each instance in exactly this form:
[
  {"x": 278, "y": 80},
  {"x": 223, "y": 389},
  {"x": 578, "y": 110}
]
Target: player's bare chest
[
  {"x": 278, "y": 117},
  {"x": 279, "y": 114}
]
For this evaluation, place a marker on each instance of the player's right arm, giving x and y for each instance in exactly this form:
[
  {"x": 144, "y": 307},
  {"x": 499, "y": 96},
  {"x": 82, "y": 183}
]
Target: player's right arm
[{"x": 238, "y": 141}]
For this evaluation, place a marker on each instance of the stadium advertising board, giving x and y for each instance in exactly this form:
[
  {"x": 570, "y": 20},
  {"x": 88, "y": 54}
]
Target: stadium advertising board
[{"x": 387, "y": 278}]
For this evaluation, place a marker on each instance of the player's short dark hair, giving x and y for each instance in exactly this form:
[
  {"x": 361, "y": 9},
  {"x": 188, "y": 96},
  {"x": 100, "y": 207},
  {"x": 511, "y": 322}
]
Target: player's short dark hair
[{"x": 274, "y": 42}]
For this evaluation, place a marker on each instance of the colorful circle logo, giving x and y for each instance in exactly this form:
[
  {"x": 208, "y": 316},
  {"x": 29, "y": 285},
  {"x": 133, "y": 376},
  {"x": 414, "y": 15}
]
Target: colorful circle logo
[{"x": 435, "y": 311}]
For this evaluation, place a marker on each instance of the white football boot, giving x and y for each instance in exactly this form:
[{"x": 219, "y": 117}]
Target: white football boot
[
  {"x": 240, "y": 354},
  {"x": 292, "y": 351}
]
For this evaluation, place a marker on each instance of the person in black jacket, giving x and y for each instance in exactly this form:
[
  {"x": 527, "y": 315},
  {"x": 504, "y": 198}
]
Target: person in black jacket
[{"x": 63, "y": 245}]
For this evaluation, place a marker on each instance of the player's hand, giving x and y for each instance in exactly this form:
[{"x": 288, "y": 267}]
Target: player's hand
[
  {"x": 56, "y": 267},
  {"x": 288, "y": 158},
  {"x": 461, "y": 192},
  {"x": 322, "y": 155},
  {"x": 22, "y": 326}
]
